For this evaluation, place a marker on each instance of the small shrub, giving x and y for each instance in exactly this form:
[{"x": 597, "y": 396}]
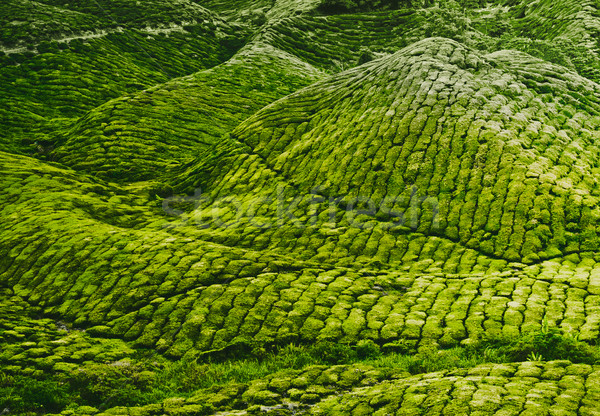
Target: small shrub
[
  {"x": 258, "y": 18},
  {"x": 293, "y": 357},
  {"x": 449, "y": 22},
  {"x": 188, "y": 375},
  {"x": 547, "y": 343},
  {"x": 107, "y": 385},
  {"x": 367, "y": 349},
  {"x": 328, "y": 352},
  {"x": 22, "y": 394},
  {"x": 551, "y": 344},
  {"x": 365, "y": 56},
  {"x": 357, "y": 6}
]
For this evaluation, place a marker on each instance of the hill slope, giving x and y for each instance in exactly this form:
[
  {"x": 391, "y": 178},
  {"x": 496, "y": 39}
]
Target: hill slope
[{"x": 255, "y": 207}]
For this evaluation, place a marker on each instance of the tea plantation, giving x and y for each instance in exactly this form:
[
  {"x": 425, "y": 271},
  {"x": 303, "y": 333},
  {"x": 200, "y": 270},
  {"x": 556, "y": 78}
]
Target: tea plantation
[{"x": 276, "y": 207}]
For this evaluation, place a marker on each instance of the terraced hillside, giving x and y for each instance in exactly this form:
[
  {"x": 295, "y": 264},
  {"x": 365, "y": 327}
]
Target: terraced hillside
[{"x": 316, "y": 207}]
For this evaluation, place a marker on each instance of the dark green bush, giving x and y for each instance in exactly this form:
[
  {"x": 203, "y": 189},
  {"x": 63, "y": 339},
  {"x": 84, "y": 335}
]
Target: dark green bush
[
  {"x": 547, "y": 343},
  {"x": 21, "y": 394},
  {"x": 448, "y": 22},
  {"x": 354, "y": 6},
  {"x": 367, "y": 349},
  {"x": 550, "y": 345},
  {"x": 365, "y": 56},
  {"x": 358, "y": 6},
  {"x": 48, "y": 47},
  {"x": 184, "y": 375},
  {"x": 328, "y": 352},
  {"x": 104, "y": 386}
]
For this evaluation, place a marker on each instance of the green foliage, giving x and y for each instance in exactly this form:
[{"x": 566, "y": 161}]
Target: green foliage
[
  {"x": 367, "y": 349},
  {"x": 563, "y": 51},
  {"x": 64, "y": 72},
  {"x": 22, "y": 394},
  {"x": 183, "y": 376},
  {"x": 546, "y": 344},
  {"x": 329, "y": 352},
  {"x": 351, "y": 6},
  {"x": 504, "y": 144},
  {"x": 557, "y": 52},
  {"x": 356, "y": 6},
  {"x": 365, "y": 56},
  {"x": 449, "y": 21},
  {"x": 151, "y": 379},
  {"x": 432, "y": 359},
  {"x": 121, "y": 383}
]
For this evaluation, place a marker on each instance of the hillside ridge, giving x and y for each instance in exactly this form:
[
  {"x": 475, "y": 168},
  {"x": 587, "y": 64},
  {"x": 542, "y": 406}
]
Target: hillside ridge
[{"x": 317, "y": 207}]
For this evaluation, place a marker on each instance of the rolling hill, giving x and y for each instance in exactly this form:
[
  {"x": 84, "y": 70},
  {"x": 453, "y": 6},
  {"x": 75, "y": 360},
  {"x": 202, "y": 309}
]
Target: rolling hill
[{"x": 317, "y": 207}]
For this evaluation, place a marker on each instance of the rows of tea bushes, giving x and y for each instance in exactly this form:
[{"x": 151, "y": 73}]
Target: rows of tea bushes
[
  {"x": 67, "y": 70},
  {"x": 148, "y": 134}
]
